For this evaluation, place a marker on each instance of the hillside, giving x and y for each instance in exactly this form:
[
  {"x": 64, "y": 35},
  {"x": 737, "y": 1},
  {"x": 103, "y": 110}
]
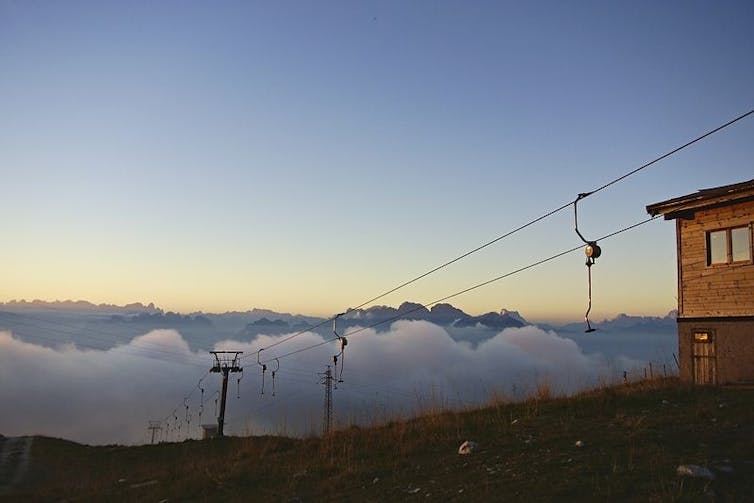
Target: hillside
[{"x": 634, "y": 437}]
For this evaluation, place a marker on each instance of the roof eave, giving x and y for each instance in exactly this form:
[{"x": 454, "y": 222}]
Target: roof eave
[{"x": 686, "y": 206}]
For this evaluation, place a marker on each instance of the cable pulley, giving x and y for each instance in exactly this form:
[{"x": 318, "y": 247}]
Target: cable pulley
[{"x": 592, "y": 251}]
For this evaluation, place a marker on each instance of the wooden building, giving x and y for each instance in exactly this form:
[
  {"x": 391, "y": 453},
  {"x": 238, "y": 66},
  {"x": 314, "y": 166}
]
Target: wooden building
[{"x": 715, "y": 282}]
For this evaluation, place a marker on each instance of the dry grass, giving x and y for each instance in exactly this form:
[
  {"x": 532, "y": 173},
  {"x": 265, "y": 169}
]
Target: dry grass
[{"x": 634, "y": 438}]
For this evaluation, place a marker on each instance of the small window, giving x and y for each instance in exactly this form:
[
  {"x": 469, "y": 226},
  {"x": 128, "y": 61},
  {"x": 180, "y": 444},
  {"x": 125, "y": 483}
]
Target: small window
[
  {"x": 717, "y": 247},
  {"x": 702, "y": 337},
  {"x": 727, "y": 246},
  {"x": 740, "y": 240}
]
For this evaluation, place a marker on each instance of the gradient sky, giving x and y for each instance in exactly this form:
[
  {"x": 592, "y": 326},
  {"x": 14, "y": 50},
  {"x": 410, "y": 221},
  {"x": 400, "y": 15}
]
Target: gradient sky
[{"x": 306, "y": 156}]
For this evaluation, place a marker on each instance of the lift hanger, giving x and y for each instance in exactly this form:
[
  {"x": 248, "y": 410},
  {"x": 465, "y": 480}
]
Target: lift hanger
[
  {"x": 201, "y": 404},
  {"x": 343, "y": 343},
  {"x": 264, "y": 369},
  {"x": 188, "y": 415},
  {"x": 274, "y": 372},
  {"x": 592, "y": 252},
  {"x": 238, "y": 385}
]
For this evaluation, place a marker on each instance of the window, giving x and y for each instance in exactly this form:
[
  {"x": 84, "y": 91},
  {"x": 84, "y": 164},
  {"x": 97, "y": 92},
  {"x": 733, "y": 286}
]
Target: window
[
  {"x": 727, "y": 246},
  {"x": 702, "y": 337},
  {"x": 740, "y": 240},
  {"x": 717, "y": 247}
]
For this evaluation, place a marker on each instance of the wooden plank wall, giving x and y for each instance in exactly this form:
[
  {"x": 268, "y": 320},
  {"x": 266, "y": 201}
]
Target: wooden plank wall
[
  {"x": 719, "y": 290},
  {"x": 734, "y": 349}
]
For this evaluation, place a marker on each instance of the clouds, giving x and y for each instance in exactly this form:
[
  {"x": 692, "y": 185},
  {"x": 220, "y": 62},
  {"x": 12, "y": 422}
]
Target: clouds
[
  {"x": 96, "y": 396},
  {"x": 412, "y": 353},
  {"x": 90, "y": 395}
]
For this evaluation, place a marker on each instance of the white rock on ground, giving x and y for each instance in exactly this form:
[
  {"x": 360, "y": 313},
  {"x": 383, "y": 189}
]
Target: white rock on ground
[
  {"x": 695, "y": 471},
  {"x": 467, "y": 447}
]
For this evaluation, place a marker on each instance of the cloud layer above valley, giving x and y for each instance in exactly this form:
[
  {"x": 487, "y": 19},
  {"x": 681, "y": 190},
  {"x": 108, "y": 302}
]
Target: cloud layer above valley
[{"x": 101, "y": 397}]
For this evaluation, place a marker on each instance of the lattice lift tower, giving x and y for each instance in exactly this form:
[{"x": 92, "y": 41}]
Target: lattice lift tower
[
  {"x": 225, "y": 363},
  {"x": 155, "y": 427},
  {"x": 327, "y": 381}
]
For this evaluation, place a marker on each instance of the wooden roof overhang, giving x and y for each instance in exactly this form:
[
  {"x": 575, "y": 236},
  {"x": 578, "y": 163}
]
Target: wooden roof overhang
[{"x": 685, "y": 207}]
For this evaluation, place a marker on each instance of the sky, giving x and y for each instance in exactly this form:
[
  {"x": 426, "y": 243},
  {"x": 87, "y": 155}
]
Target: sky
[{"x": 307, "y": 156}]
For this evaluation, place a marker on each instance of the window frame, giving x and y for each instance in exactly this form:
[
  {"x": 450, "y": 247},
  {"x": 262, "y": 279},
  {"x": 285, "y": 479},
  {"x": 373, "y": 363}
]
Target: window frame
[
  {"x": 705, "y": 336},
  {"x": 728, "y": 246}
]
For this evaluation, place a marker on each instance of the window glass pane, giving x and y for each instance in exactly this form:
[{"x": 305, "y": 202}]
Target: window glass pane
[
  {"x": 702, "y": 337},
  {"x": 741, "y": 243},
  {"x": 717, "y": 248}
]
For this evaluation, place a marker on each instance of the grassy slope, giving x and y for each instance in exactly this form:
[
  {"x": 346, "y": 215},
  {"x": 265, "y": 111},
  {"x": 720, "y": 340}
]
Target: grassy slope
[{"x": 634, "y": 438}]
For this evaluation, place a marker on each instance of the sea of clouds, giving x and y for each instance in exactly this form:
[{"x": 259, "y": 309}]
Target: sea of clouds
[{"x": 109, "y": 396}]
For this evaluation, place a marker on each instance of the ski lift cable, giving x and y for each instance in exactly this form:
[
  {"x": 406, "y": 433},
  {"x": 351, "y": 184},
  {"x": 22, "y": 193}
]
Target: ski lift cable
[
  {"x": 544, "y": 216},
  {"x": 197, "y": 386},
  {"x": 674, "y": 151},
  {"x": 559, "y": 209},
  {"x": 292, "y": 336},
  {"x": 469, "y": 289}
]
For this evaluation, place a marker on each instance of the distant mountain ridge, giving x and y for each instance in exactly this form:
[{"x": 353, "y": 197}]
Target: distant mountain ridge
[
  {"x": 439, "y": 314},
  {"x": 162, "y": 320},
  {"x": 250, "y": 323},
  {"x": 623, "y": 322},
  {"x": 381, "y": 317},
  {"x": 78, "y": 305}
]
